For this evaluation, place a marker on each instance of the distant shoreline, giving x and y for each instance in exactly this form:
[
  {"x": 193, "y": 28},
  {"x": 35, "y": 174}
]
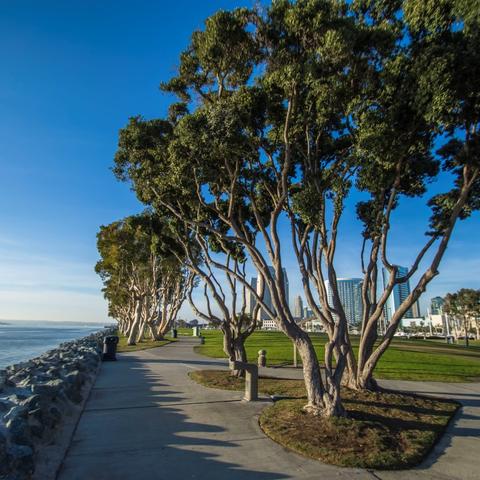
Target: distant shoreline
[
  {"x": 70, "y": 322},
  {"x": 22, "y": 341}
]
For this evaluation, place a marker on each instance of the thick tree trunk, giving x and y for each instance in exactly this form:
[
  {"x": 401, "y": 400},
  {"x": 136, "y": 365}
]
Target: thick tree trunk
[
  {"x": 153, "y": 333},
  {"x": 319, "y": 402},
  {"x": 365, "y": 381},
  {"x": 240, "y": 354},
  {"x": 141, "y": 331},
  {"x": 165, "y": 322},
  {"x": 163, "y": 329},
  {"x": 136, "y": 323}
]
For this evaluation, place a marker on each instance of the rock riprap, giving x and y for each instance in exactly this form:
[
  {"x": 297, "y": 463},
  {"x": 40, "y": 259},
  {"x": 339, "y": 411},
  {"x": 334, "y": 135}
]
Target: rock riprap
[{"x": 36, "y": 395}]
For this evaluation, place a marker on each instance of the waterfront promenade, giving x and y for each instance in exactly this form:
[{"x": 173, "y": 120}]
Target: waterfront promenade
[{"x": 145, "y": 419}]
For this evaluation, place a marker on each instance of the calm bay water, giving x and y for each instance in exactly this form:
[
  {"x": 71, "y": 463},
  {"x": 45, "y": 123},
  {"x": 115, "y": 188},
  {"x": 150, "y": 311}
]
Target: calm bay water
[{"x": 22, "y": 340}]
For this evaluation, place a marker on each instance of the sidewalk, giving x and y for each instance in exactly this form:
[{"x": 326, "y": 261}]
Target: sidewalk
[{"x": 146, "y": 419}]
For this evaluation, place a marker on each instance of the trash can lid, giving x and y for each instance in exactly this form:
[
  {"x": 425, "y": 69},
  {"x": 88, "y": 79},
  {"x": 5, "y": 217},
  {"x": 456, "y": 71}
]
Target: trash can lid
[{"x": 111, "y": 339}]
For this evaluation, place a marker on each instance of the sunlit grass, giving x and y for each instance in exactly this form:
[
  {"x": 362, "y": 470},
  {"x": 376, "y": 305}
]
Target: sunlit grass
[
  {"x": 428, "y": 360},
  {"x": 143, "y": 345}
]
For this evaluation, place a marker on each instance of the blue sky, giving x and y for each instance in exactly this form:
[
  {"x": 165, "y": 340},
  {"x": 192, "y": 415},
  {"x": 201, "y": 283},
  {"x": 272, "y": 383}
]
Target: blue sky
[{"x": 71, "y": 75}]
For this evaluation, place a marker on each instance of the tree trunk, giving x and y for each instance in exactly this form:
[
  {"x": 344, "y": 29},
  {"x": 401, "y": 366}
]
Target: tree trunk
[
  {"x": 455, "y": 329},
  {"x": 136, "y": 322},
  {"x": 365, "y": 381},
  {"x": 361, "y": 378},
  {"x": 141, "y": 331},
  {"x": 319, "y": 402},
  {"x": 240, "y": 354},
  {"x": 153, "y": 333}
]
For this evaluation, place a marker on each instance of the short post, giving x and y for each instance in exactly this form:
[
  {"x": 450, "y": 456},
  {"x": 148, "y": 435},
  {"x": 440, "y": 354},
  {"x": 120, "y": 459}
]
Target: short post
[
  {"x": 251, "y": 379},
  {"x": 262, "y": 358},
  {"x": 195, "y": 331}
]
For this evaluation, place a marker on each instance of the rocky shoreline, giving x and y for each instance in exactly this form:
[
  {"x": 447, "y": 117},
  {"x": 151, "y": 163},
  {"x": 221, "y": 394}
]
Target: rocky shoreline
[{"x": 38, "y": 396}]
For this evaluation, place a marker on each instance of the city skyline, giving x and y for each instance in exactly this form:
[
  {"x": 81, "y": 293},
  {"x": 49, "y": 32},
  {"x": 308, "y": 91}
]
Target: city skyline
[{"x": 350, "y": 296}]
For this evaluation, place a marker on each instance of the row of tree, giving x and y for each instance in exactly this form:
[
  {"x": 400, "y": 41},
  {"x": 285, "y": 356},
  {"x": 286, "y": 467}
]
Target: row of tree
[
  {"x": 144, "y": 281},
  {"x": 464, "y": 309},
  {"x": 287, "y": 117}
]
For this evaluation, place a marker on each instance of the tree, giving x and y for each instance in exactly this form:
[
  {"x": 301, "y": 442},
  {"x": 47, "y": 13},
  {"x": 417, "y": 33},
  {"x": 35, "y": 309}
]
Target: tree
[
  {"x": 205, "y": 255},
  {"x": 143, "y": 282},
  {"x": 421, "y": 107},
  {"x": 231, "y": 299},
  {"x": 464, "y": 306},
  {"x": 288, "y": 115}
]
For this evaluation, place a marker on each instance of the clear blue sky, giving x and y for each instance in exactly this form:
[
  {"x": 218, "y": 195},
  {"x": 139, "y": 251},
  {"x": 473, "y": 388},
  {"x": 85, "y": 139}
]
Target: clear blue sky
[{"x": 71, "y": 75}]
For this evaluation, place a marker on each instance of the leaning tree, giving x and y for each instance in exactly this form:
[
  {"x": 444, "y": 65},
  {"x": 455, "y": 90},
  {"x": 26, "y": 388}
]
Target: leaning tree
[{"x": 208, "y": 257}]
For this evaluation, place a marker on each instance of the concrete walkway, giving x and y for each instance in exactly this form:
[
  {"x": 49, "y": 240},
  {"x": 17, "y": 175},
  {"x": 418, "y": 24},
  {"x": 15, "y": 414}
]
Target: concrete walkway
[{"x": 145, "y": 419}]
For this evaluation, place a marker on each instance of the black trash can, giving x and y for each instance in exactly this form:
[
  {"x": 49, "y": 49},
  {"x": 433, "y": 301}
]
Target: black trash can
[
  {"x": 110, "y": 347},
  {"x": 174, "y": 333}
]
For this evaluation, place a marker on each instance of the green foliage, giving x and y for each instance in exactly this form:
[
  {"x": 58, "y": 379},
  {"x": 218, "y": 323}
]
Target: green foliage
[
  {"x": 131, "y": 250},
  {"x": 464, "y": 303}
]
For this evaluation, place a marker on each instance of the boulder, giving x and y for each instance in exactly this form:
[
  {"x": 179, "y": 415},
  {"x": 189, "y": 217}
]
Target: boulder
[
  {"x": 32, "y": 402},
  {"x": 3, "y": 454},
  {"x": 35, "y": 423},
  {"x": 52, "y": 388},
  {"x": 16, "y": 411},
  {"x": 19, "y": 431},
  {"x": 21, "y": 460}
]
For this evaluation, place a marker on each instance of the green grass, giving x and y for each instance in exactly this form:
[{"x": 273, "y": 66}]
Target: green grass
[
  {"x": 383, "y": 430},
  {"x": 417, "y": 359},
  {"x": 143, "y": 345}
]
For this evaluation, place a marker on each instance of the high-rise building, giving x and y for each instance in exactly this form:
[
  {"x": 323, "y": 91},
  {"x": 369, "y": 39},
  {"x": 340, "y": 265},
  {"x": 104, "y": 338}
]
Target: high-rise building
[
  {"x": 298, "y": 307},
  {"x": 307, "y": 312},
  {"x": 269, "y": 323},
  {"x": 416, "y": 310},
  {"x": 251, "y": 300},
  {"x": 350, "y": 292},
  {"x": 399, "y": 293},
  {"x": 436, "y": 305}
]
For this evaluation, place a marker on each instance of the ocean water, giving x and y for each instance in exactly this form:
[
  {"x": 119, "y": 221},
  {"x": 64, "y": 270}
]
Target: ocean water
[{"x": 22, "y": 340}]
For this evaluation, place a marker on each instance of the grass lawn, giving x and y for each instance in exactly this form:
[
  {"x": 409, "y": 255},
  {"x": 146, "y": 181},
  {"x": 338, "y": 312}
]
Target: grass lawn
[
  {"x": 405, "y": 359},
  {"x": 383, "y": 430},
  {"x": 143, "y": 345}
]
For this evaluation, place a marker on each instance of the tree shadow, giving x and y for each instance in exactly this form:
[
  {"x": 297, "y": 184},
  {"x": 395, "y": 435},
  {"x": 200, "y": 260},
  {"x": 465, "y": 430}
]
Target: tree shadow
[
  {"x": 137, "y": 426},
  {"x": 463, "y": 424}
]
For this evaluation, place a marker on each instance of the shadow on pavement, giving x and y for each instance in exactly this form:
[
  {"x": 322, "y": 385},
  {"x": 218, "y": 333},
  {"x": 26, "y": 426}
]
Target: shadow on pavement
[{"x": 134, "y": 428}]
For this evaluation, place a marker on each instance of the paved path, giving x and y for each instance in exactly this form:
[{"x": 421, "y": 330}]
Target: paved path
[{"x": 145, "y": 419}]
